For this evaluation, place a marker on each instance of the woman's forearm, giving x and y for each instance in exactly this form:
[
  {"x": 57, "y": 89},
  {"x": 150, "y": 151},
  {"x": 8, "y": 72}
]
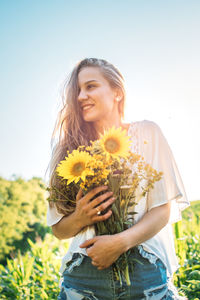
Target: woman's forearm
[
  {"x": 149, "y": 225},
  {"x": 67, "y": 227}
]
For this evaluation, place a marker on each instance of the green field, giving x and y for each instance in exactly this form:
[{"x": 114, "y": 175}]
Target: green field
[
  {"x": 187, "y": 242},
  {"x": 30, "y": 262}
]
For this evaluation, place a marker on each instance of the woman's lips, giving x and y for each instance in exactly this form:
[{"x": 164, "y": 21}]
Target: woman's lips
[{"x": 87, "y": 107}]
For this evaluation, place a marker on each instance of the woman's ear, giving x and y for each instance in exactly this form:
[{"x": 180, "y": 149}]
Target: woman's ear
[{"x": 118, "y": 96}]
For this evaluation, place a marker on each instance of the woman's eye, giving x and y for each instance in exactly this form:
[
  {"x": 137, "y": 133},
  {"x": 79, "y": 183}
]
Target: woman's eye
[{"x": 90, "y": 86}]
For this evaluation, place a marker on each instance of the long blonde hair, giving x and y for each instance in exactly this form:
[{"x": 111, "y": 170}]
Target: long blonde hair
[{"x": 70, "y": 127}]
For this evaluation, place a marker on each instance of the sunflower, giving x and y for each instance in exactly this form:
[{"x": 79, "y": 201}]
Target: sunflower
[
  {"x": 74, "y": 167},
  {"x": 115, "y": 143}
]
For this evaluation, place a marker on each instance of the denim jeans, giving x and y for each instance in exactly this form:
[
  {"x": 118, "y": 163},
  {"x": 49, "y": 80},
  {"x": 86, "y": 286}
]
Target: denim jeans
[{"x": 82, "y": 280}]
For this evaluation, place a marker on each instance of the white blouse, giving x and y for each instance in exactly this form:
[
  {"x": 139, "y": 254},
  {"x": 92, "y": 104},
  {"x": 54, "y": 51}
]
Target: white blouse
[{"x": 158, "y": 154}]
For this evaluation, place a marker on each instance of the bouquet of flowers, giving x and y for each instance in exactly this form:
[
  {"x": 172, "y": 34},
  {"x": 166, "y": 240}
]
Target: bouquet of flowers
[{"x": 107, "y": 161}]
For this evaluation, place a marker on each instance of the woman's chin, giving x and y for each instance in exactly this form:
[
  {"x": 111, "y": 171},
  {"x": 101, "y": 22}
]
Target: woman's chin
[{"x": 89, "y": 118}]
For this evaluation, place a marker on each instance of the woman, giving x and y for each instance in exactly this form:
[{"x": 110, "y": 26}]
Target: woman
[{"x": 94, "y": 101}]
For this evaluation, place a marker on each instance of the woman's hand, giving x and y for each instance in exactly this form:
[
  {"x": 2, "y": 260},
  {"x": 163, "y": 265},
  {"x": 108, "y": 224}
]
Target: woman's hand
[
  {"x": 103, "y": 250},
  {"x": 86, "y": 213},
  {"x": 86, "y": 209}
]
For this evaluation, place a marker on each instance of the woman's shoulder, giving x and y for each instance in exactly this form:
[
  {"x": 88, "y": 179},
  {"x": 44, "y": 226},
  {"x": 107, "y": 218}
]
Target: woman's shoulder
[
  {"x": 145, "y": 125},
  {"x": 146, "y": 134}
]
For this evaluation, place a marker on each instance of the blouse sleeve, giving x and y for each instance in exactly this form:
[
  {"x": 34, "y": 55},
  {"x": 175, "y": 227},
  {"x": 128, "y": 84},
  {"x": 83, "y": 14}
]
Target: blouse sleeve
[
  {"x": 170, "y": 187},
  {"x": 53, "y": 216}
]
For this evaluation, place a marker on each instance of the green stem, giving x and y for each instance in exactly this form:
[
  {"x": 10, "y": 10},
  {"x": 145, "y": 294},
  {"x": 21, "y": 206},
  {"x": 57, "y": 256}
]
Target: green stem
[
  {"x": 126, "y": 273},
  {"x": 119, "y": 274}
]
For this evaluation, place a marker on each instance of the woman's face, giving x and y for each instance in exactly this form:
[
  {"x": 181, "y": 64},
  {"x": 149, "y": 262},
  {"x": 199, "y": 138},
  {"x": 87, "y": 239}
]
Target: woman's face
[{"x": 96, "y": 97}]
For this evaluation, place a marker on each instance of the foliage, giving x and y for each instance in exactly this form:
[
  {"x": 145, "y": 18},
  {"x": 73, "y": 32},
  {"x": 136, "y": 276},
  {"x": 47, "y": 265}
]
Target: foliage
[
  {"x": 36, "y": 274},
  {"x": 187, "y": 243},
  {"x": 22, "y": 212}
]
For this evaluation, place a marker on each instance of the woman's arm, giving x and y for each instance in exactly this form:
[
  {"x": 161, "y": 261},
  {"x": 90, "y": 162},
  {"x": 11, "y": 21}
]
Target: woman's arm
[
  {"x": 67, "y": 227},
  {"x": 149, "y": 225},
  {"x": 85, "y": 213},
  {"x": 104, "y": 250}
]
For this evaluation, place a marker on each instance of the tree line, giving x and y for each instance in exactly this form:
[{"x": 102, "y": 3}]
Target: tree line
[{"x": 22, "y": 214}]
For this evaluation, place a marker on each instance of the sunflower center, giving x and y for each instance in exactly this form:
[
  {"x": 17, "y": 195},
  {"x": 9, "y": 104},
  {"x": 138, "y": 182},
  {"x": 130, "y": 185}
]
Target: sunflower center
[
  {"x": 78, "y": 168},
  {"x": 112, "y": 145}
]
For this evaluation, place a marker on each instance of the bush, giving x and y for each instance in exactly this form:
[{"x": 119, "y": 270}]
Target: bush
[
  {"x": 22, "y": 214},
  {"x": 187, "y": 243},
  {"x": 36, "y": 274}
]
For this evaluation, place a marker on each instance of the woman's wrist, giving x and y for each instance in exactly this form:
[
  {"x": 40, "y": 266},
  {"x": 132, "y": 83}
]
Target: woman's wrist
[
  {"x": 123, "y": 241},
  {"x": 78, "y": 221}
]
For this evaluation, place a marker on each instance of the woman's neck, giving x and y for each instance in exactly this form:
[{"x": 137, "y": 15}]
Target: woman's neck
[{"x": 101, "y": 127}]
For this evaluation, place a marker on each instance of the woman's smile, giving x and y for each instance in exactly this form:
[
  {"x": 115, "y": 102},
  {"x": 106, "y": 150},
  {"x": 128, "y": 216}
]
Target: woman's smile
[{"x": 86, "y": 107}]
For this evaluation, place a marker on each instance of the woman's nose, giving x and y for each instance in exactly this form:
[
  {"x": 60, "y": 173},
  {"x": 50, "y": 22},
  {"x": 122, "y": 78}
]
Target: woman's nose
[{"x": 82, "y": 96}]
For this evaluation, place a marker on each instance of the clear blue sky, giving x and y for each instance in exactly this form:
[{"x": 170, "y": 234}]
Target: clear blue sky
[{"x": 155, "y": 44}]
